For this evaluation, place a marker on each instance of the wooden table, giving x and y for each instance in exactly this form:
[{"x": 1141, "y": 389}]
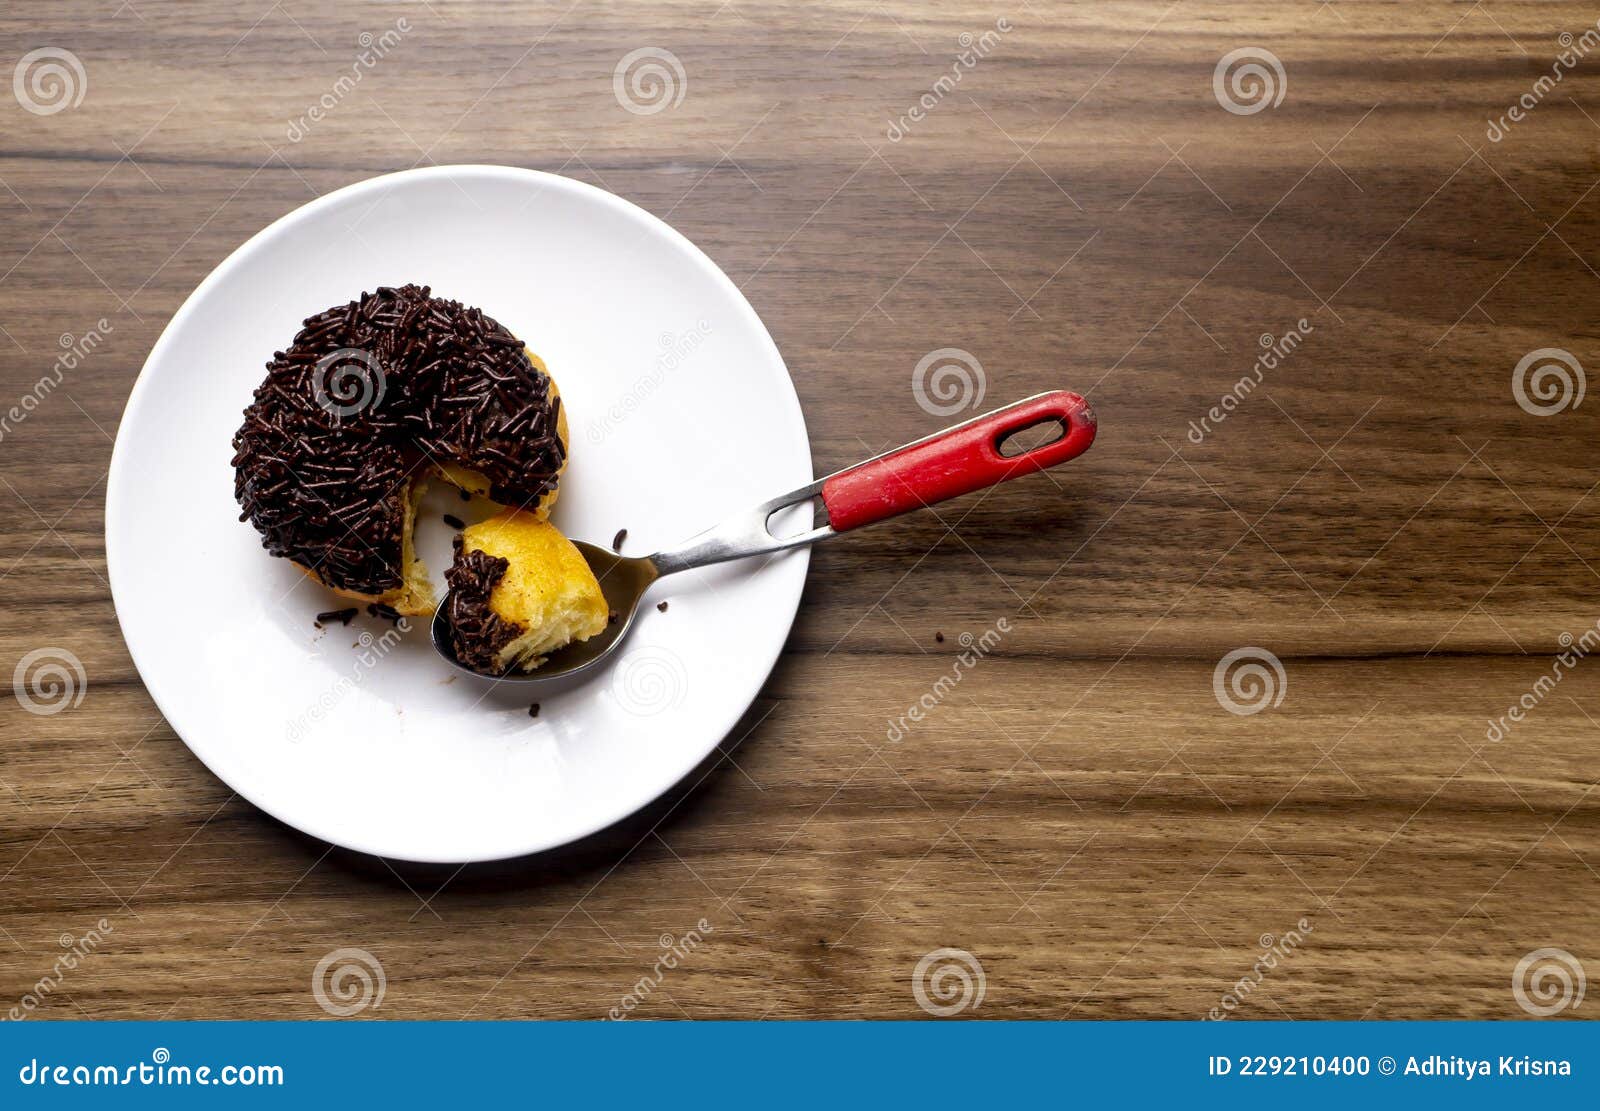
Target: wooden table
[{"x": 1081, "y": 814}]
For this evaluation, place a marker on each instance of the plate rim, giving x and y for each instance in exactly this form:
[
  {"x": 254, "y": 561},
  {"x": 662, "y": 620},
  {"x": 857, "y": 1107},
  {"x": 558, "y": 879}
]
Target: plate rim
[{"x": 117, "y": 479}]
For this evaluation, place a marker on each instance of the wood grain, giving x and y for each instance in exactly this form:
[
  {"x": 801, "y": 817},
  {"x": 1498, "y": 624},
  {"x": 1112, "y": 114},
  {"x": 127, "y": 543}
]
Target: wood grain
[{"x": 1080, "y": 813}]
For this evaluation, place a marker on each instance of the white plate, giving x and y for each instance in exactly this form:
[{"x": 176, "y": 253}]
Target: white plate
[{"x": 681, "y": 412}]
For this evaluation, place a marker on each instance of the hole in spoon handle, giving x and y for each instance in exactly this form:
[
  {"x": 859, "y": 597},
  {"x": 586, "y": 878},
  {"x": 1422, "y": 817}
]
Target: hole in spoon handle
[{"x": 958, "y": 461}]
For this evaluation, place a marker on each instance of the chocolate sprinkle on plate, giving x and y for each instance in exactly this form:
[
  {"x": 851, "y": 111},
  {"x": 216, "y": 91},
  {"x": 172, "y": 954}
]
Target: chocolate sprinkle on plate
[
  {"x": 533, "y": 711},
  {"x": 341, "y": 616},
  {"x": 616, "y": 541},
  {"x": 388, "y": 613},
  {"x": 662, "y": 606},
  {"x": 939, "y": 637},
  {"x": 454, "y": 522},
  {"x": 365, "y": 397}
]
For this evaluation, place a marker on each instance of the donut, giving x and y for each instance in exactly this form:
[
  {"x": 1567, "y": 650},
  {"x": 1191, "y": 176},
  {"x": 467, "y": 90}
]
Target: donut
[
  {"x": 518, "y": 591},
  {"x": 370, "y": 400}
]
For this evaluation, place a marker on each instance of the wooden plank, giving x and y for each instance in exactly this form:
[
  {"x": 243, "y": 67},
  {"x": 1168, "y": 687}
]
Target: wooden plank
[{"x": 1079, "y": 812}]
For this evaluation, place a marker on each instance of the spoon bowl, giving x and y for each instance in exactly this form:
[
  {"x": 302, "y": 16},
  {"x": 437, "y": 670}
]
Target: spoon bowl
[
  {"x": 959, "y": 460},
  {"x": 623, "y": 580}
]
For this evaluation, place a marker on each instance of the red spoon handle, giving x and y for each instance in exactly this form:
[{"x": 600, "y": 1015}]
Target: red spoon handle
[{"x": 957, "y": 461}]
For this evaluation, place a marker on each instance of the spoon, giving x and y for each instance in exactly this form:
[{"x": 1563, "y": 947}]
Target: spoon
[{"x": 959, "y": 460}]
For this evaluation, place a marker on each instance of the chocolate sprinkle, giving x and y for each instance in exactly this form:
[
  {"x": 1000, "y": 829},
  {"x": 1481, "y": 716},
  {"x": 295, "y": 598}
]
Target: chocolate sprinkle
[
  {"x": 616, "y": 541},
  {"x": 454, "y": 522},
  {"x": 466, "y": 495},
  {"x": 477, "y": 633},
  {"x": 367, "y": 393},
  {"x": 387, "y": 613},
  {"x": 662, "y": 606},
  {"x": 533, "y": 711},
  {"x": 939, "y": 637},
  {"x": 341, "y": 616}
]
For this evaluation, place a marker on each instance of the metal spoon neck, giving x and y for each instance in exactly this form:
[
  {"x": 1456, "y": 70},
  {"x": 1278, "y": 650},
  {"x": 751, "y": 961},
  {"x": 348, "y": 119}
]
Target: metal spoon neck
[{"x": 745, "y": 534}]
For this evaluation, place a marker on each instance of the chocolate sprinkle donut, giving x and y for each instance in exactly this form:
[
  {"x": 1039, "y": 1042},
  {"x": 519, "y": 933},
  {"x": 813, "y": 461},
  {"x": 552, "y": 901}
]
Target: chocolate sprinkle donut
[{"x": 369, "y": 397}]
